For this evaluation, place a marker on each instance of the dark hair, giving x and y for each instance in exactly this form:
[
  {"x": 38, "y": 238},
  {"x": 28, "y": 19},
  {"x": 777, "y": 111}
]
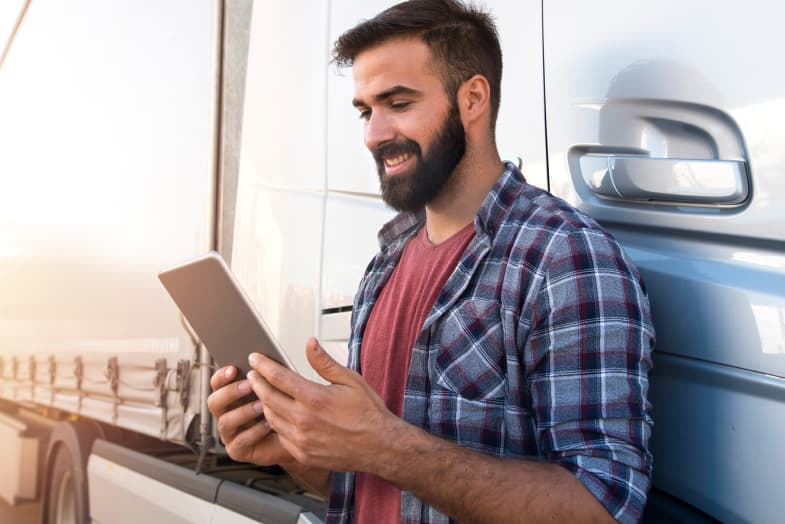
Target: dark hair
[{"x": 462, "y": 39}]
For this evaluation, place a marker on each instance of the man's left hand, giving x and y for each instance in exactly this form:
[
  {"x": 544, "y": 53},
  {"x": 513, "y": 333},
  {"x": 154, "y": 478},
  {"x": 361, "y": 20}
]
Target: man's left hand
[{"x": 340, "y": 426}]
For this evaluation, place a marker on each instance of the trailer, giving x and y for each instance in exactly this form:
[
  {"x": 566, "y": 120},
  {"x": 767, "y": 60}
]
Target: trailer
[{"x": 118, "y": 123}]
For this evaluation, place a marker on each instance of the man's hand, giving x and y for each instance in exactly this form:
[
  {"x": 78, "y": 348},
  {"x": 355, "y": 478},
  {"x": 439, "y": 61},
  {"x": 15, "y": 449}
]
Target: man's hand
[
  {"x": 345, "y": 426},
  {"x": 246, "y": 437},
  {"x": 341, "y": 426}
]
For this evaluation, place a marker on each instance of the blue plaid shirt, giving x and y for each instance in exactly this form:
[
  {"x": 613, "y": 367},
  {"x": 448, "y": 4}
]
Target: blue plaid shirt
[{"x": 539, "y": 345}]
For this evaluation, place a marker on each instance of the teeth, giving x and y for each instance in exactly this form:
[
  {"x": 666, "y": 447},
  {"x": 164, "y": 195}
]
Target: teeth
[{"x": 394, "y": 161}]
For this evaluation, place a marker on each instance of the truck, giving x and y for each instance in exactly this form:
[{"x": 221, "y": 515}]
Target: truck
[{"x": 137, "y": 135}]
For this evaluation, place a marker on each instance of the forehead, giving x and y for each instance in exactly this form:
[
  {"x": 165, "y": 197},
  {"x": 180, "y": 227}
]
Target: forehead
[{"x": 397, "y": 62}]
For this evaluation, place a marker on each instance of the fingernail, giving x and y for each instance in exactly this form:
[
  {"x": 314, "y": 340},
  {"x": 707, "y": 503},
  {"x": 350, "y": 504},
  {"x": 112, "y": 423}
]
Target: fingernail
[
  {"x": 244, "y": 387},
  {"x": 228, "y": 372},
  {"x": 257, "y": 406},
  {"x": 253, "y": 358},
  {"x": 251, "y": 376}
]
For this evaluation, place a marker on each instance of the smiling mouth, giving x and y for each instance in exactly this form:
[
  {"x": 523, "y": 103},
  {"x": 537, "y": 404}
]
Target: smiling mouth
[{"x": 397, "y": 160}]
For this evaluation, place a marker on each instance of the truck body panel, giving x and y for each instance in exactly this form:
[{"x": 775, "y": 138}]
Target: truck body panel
[{"x": 690, "y": 83}]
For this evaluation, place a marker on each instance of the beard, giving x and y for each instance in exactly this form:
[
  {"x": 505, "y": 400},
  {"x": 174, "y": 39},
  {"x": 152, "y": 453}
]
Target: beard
[{"x": 412, "y": 190}]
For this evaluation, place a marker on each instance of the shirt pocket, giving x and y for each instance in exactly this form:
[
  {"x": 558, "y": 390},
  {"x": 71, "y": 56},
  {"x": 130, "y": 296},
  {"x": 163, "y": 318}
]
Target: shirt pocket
[
  {"x": 470, "y": 358},
  {"x": 468, "y": 376}
]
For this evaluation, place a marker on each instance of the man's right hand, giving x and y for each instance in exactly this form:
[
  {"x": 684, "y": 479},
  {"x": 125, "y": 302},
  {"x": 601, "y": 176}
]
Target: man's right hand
[{"x": 246, "y": 436}]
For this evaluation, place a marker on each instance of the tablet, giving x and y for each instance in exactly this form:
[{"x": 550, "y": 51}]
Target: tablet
[{"x": 220, "y": 313}]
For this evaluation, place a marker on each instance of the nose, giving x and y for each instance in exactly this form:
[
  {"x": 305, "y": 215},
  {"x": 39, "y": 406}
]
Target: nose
[{"x": 378, "y": 130}]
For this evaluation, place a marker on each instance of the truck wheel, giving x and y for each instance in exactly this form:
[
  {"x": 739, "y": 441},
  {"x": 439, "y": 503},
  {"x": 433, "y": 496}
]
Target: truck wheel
[
  {"x": 65, "y": 491},
  {"x": 65, "y": 499}
]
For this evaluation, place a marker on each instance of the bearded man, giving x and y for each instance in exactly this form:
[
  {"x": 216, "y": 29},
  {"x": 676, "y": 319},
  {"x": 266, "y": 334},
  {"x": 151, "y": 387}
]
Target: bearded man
[{"x": 500, "y": 344}]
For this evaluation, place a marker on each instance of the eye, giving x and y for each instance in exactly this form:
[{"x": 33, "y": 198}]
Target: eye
[
  {"x": 365, "y": 114},
  {"x": 400, "y": 106}
]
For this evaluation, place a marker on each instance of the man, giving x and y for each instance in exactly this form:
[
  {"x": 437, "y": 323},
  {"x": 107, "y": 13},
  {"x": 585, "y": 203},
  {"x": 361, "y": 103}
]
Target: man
[{"x": 500, "y": 345}]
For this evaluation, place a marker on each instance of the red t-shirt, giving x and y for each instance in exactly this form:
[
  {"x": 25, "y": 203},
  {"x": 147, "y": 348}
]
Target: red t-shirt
[{"x": 395, "y": 321}]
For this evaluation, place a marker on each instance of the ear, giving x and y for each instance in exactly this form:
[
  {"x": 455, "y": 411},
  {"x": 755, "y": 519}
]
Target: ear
[{"x": 474, "y": 100}]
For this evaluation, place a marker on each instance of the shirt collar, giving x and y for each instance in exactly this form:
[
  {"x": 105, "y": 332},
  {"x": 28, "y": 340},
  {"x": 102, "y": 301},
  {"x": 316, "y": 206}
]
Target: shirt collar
[
  {"x": 490, "y": 215},
  {"x": 499, "y": 199}
]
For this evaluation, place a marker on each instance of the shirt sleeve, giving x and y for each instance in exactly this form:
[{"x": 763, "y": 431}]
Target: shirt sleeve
[{"x": 588, "y": 359}]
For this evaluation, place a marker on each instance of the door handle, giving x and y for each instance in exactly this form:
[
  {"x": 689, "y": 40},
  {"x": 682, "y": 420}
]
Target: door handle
[{"x": 668, "y": 180}]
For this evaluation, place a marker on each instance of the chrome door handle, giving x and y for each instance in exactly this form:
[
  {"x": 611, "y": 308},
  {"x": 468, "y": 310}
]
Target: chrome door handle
[{"x": 676, "y": 180}]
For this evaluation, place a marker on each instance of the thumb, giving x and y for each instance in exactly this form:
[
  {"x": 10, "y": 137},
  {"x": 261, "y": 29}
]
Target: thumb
[{"x": 324, "y": 364}]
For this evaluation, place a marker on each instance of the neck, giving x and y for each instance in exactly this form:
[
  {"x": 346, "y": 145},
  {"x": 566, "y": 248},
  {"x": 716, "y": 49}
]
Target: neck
[{"x": 458, "y": 203}]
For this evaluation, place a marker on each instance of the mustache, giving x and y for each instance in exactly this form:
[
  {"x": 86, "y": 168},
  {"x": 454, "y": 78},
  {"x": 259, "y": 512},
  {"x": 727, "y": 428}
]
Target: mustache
[{"x": 395, "y": 149}]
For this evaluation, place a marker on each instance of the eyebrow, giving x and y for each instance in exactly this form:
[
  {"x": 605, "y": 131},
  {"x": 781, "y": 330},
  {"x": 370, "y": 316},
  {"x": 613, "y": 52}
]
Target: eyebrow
[{"x": 388, "y": 93}]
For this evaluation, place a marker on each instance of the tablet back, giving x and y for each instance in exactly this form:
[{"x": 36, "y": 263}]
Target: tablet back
[{"x": 220, "y": 313}]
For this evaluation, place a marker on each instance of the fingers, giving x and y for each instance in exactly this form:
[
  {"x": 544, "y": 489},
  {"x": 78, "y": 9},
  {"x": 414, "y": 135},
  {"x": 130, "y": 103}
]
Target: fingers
[
  {"x": 279, "y": 423},
  {"x": 281, "y": 378},
  {"x": 324, "y": 364},
  {"x": 241, "y": 446},
  {"x": 243, "y": 430},
  {"x": 222, "y": 377},
  {"x": 271, "y": 396},
  {"x": 235, "y": 421},
  {"x": 226, "y": 396},
  {"x": 270, "y": 451},
  {"x": 258, "y": 444}
]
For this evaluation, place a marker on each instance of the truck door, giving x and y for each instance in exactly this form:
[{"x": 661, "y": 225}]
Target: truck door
[{"x": 665, "y": 122}]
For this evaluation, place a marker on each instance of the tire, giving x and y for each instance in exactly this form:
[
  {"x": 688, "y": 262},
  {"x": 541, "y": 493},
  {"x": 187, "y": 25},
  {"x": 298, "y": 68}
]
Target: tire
[
  {"x": 65, "y": 497},
  {"x": 66, "y": 491}
]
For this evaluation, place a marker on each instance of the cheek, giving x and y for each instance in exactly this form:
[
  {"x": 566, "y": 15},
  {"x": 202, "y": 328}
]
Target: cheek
[{"x": 421, "y": 126}]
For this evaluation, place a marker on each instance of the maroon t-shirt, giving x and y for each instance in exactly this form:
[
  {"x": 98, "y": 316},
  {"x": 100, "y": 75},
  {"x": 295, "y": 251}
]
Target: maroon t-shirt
[{"x": 395, "y": 321}]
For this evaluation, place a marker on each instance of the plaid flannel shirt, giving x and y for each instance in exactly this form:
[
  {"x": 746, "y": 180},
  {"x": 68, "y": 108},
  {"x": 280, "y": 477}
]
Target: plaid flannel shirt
[{"x": 539, "y": 345}]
